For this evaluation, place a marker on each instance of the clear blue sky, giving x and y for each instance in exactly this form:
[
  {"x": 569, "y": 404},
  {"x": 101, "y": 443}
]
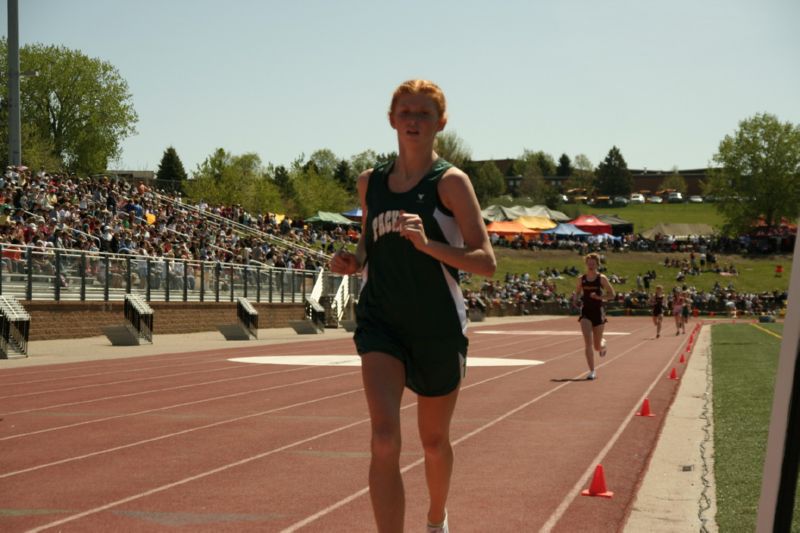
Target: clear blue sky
[{"x": 664, "y": 81}]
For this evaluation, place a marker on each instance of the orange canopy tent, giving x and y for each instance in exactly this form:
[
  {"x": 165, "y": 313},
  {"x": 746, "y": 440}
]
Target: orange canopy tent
[
  {"x": 509, "y": 229},
  {"x": 536, "y": 223}
]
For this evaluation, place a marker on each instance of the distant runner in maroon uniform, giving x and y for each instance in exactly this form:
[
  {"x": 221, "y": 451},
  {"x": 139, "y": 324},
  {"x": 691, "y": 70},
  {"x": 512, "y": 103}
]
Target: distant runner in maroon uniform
[
  {"x": 593, "y": 289},
  {"x": 658, "y": 309}
]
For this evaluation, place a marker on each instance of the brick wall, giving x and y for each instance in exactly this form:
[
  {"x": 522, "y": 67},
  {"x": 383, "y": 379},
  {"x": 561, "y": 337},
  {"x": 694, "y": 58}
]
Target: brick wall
[{"x": 70, "y": 320}]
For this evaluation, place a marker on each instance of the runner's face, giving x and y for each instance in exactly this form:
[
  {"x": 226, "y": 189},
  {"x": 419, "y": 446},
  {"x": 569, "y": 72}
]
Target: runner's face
[
  {"x": 416, "y": 118},
  {"x": 591, "y": 264}
]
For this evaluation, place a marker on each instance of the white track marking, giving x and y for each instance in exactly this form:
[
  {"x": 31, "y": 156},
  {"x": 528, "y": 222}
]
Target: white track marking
[
  {"x": 344, "y": 501},
  {"x": 313, "y": 518},
  {"x": 576, "y": 488},
  {"x": 174, "y": 406},
  {"x": 576, "y": 333},
  {"x": 354, "y": 360}
]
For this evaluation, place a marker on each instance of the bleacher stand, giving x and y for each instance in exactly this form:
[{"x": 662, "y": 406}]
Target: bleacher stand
[{"x": 64, "y": 237}]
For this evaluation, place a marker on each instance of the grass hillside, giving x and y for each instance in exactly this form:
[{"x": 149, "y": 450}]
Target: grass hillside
[
  {"x": 755, "y": 274},
  {"x": 645, "y": 216}
]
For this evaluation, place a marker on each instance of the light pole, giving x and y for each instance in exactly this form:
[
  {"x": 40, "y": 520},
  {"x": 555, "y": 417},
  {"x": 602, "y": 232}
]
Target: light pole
[{"x": 14, "y": 119}]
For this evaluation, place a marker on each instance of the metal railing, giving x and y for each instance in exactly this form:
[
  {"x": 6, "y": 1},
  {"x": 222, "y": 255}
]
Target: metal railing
[
  {"x": 218, "y": 221},
  {"x": 46, "y": 273}
]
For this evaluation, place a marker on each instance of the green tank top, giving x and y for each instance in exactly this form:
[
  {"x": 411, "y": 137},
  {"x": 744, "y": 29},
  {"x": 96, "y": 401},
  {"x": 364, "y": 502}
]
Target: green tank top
[{"x": 405, "y": 290}]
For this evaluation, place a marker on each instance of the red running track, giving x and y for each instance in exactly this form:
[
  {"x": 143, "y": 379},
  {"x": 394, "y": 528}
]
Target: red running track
[{"x": 195, "y": 442}]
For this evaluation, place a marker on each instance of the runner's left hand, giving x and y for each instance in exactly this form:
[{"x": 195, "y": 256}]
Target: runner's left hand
[{"x": 411, "y": 228}]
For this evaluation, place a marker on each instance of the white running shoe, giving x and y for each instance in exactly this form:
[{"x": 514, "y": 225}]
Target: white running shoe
[
  {"x": 603, "y": 348},
  {"x": 592, "y": 376},
  {"x": 441, "y": 528}
]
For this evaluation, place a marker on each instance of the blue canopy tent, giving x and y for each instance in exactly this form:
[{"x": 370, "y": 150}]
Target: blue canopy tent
[
  {"x": 567, "y": 230},
  {"x": 353, "y": 214}
]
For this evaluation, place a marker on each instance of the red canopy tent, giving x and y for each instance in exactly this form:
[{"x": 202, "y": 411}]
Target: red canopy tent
[{"x": 591, "y": 224}]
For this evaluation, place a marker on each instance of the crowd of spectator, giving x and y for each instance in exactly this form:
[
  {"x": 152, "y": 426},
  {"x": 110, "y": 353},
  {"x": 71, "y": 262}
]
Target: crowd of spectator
[
  {"x": 526, "y": 293},
  {"x": 718, "y": 300},
  {"x": 41, "y": 211},
  {"x": 776, "y": 240},
  {"x": 520, "y": 291}
]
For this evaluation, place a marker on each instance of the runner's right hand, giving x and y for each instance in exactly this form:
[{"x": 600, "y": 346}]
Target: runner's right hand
[{"x": 344, "y": 262}]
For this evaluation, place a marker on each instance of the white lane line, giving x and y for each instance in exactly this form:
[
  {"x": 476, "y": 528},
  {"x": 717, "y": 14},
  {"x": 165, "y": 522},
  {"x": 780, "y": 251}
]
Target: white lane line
[
  {"x": 576, "y": 333},
  {"x": 149, "y": 391},
  {"x": 309, "y": 439},
  {"x": 136, "y": 413},
  {"x": 228, "y": 466},
  {"x": 177, "y": 433},
  {"x": 365, "y": 490},
  {"x": 120, "y": 382},
  {"x": 118, "y": 372},
  {"x": 576, "y": 488},
  {"x": 354, "y": 360},
  {"x": 174, "y": 406}
]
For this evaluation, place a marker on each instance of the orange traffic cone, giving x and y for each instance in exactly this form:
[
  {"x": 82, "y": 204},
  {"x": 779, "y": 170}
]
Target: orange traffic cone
[
  {"x": 673, "y": 374},
  {"x": 682, "y": 359},
  {"x": 598, "y": 486},
  {"x": 645, "y": 409}
]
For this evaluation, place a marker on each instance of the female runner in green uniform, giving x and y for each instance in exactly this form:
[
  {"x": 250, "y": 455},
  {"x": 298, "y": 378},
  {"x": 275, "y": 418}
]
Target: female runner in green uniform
[{"x": 421, "y": 224}]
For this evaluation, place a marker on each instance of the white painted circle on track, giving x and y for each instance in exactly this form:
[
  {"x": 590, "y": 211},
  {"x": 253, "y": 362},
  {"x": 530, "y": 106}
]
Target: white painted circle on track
[
  {"x": 354, "y": 360},
  {"x": 540, "y": 332}
]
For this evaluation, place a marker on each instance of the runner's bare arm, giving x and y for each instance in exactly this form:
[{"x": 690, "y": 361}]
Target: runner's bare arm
[
  {"x": 344, "y": 262},
  {"x": 457, "y": 195},
  {"x": 608, "y": 288}
]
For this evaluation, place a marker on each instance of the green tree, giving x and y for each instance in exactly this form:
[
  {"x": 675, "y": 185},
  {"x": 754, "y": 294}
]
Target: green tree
[
  {"x": 171, "y": 173},
  {"x": 224, "y": 178},
  {"x": 38, "y": 151},
  {"x": 582, "y": 174},
  {"x": 613, "y": 177},
  {"x": 344, "y": 176},
  {"x": 532, "y": 163},
  {"x": 318, "y": 193},
  {"x": 487, "y": 180},
  {"x": 675, "y": 181},
  {"x": 534, "y": 188},
  {"x": 452, "y": 148},
  {"x": 582, "y": 167},
  {"x": 758, "y": 173},
  {"x": 78, "y": 107},
  {"x": 284, "y": 182},
  {"x": 564, "y": 168},
  {"x": 214, "y": 165},
  {"x": 363, "y": 161},
  {"x": 324, "y": 161}
]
